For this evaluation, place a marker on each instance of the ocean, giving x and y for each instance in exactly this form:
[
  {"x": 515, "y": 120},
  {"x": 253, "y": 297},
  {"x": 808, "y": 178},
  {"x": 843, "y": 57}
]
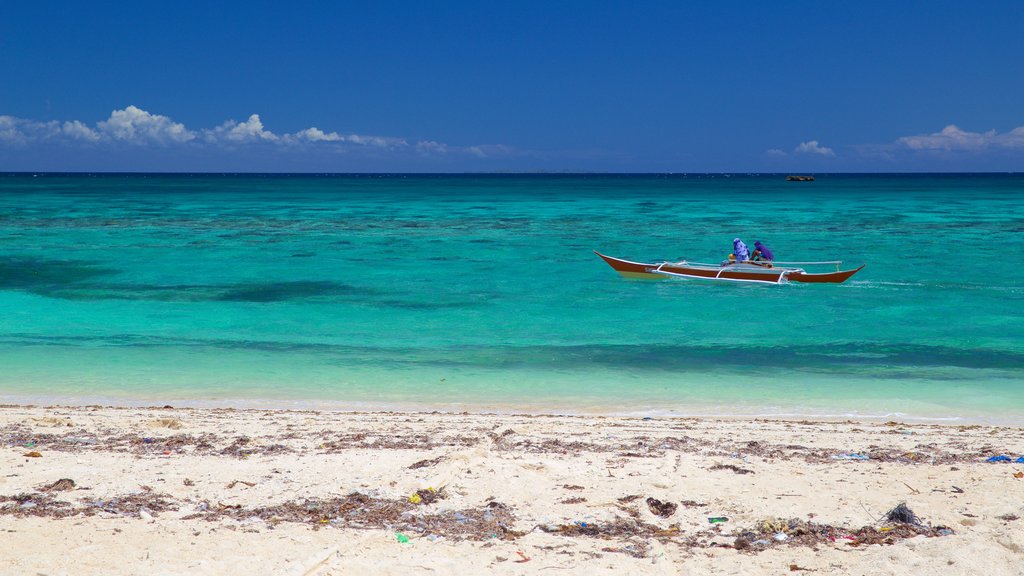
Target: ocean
[{"x": 482, "y": 293}]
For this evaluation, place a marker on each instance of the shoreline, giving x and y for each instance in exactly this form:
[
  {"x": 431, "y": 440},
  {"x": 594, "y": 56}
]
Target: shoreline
[
  {"x": 237, "y": 491},
  {"x": 710, "y": 411}
]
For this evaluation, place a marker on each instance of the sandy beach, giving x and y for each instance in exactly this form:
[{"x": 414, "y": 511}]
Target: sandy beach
[{"x": 162, "y": 490}]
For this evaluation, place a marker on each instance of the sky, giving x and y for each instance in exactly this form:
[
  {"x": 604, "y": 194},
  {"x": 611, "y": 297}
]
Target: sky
[{"x": 471, "y": 86}]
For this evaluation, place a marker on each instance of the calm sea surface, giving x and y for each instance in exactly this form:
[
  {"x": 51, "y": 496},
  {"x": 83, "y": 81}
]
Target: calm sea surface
[{"x": 482, "y": 292}]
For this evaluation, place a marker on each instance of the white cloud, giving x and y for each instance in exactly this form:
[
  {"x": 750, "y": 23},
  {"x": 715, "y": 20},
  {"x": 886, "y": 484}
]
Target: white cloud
[
  {"x": 251, "y": 130},
  {"x": 9, "y": 131},
  {"x": 19, "y": 131},
  {"x": 79, "y": 131},
  {"x": 315, "y": 134},
  {"x": 952, "y": 138},
  {"x": 137, "y": 126},
  {"x": 775, "y": 152},
  {"x": 431, "y": 147},
  {"x": 812, "y": 147},
  {"x": 490, "y": 150},
  {"x": 377, "y": 141}
]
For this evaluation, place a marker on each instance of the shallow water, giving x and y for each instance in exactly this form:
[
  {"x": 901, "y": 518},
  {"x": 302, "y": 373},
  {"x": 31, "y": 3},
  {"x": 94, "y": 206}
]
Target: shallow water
[{"x": 481, "y": 292}]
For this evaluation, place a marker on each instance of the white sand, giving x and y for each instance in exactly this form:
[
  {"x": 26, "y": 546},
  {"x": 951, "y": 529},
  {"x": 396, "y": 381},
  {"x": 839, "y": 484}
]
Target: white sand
[{"x": 550, "y": 473}]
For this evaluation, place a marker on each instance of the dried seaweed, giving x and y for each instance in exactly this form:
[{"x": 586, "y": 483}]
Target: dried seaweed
[
  {"x": 132, "y": 504},
  {"x": 732, "y": 467},
  {"x": 797, "y": 532},
  {"x": 901, "y": 514},
  {"x": 35, "y": 504},
  {"x": 362, "y": 511},
  {"x": 647, "y": 446},
  {"x": 426, "y": 463},
  {"x": 62, "y": 485},
  {"x": 659, "y": 508}
]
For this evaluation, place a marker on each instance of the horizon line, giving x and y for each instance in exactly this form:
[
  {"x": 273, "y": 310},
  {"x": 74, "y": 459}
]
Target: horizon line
[{"x": 7, "y": 173}]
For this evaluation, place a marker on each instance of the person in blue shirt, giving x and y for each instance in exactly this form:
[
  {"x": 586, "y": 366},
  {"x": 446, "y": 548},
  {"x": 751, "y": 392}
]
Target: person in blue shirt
[{"x": 761, "y": 252}]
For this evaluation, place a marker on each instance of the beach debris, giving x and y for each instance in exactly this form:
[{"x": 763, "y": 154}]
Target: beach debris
[
  {"x": 426, "y": 463},
  {"x": 578, "y": 487},
  {"x": 45, "y": 505},
  {"x": 851, "y": 456},
  {"x": 576, "y": 500},
  {"x": 35, "y": 504},
  {"x": 427, "y": 496},
  {"x": 1000, "y": 458},
  {"x": 912, "y": 489},
  {"x": 732, "y": 467},
  {"x": 659, "y": 508},
  {"x": 32, "y": 454},
  {"x": 132, "y": 504},
  {"x": 901, "y": 514},
  {"x": 630, "y": 498},
  {"x": 797, "y": 568},
  {"x": 234, "y": 483},
  {"x": 80, "y": 440},
  {"x": 62, "y": 485},
  {"x": 402, "y": 538},
  {"x": 362, "y": 511},
  {"x": 717, "y": 519},
  {"x": 1018, "y": 474},
  {"x": 1008, "y": 517},
  {"x": 797, "y": 532},
  {"x": 522, "y": 557},
  {"x": 238, "y": 448}
]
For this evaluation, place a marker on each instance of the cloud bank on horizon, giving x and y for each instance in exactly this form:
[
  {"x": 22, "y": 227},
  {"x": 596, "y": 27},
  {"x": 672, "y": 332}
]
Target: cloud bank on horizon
[
  {"x": 132, "y": 126},
  {"x": 137, "y": 127}
]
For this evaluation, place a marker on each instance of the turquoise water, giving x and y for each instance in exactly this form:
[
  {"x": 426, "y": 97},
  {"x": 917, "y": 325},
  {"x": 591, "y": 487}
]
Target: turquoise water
[{"x": 481, "y": 292}]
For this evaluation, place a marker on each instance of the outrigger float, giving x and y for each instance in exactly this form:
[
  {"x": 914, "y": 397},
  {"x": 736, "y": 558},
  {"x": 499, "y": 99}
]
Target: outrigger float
[{"x": 757, "y": 272}]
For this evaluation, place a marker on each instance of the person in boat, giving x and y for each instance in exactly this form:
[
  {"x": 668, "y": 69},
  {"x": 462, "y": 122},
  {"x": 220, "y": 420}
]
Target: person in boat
[
  {"x": 740, "y": 250},
  {"x": 762, "y": 253}
]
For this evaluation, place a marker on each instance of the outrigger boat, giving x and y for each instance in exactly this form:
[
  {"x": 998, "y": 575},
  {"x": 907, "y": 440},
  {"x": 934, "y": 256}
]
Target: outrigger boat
[{"x": 759, "y": 272}]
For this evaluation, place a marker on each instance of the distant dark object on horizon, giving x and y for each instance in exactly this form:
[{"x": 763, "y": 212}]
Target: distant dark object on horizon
[{"x": 799, "y": 178}]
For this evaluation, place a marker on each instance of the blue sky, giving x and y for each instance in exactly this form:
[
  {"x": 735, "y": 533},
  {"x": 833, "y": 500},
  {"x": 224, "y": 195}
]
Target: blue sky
[{"x": 514, "y": 86}]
